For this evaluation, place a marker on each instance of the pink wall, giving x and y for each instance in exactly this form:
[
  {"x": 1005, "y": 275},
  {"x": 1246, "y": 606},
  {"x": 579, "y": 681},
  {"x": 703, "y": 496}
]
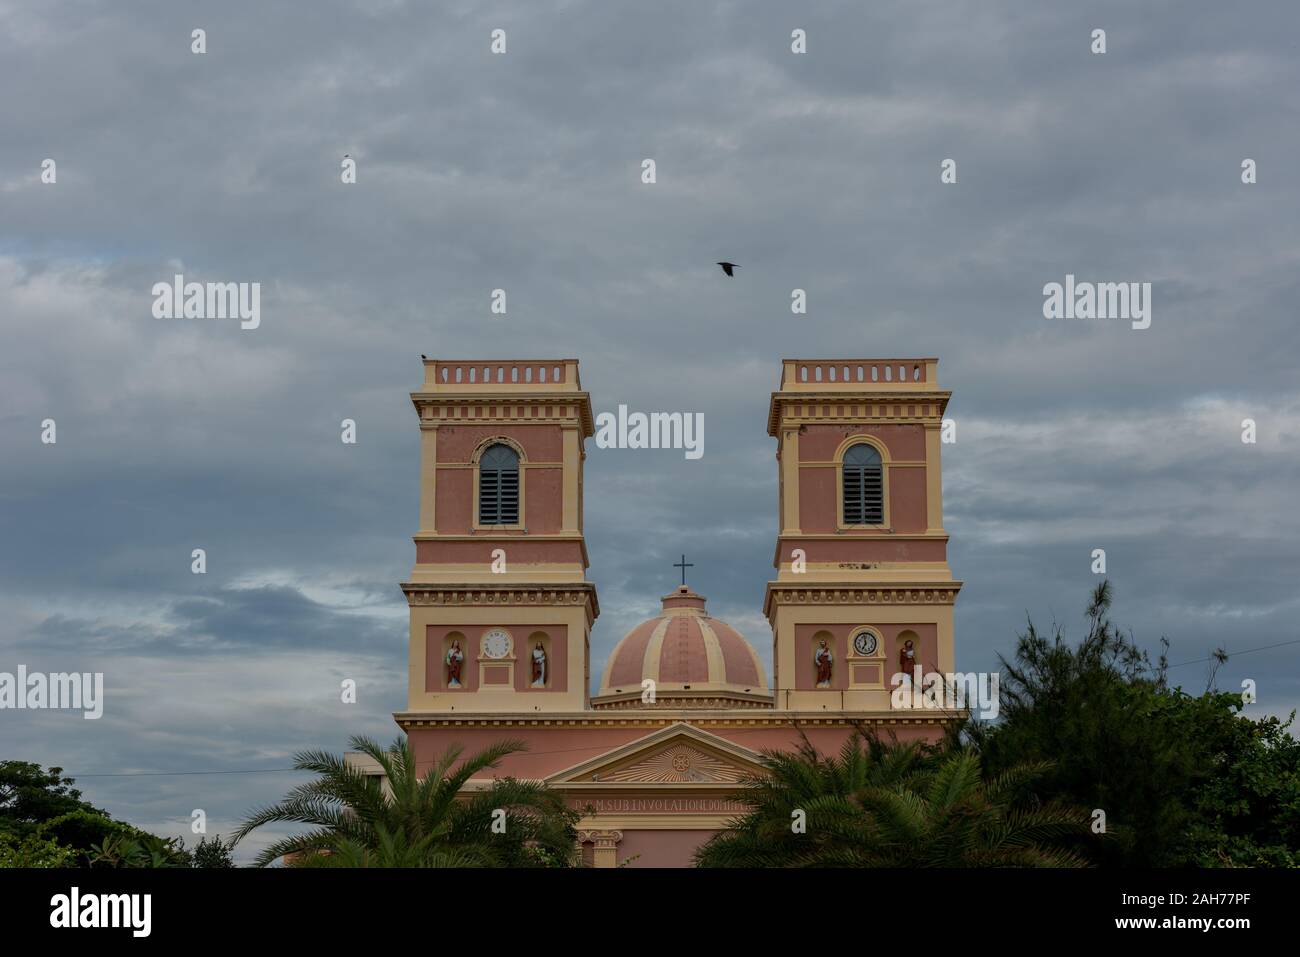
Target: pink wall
[
  {"x": 552, "y": 749},
  {"x": 818, "y": 443},
  {"x": 739, "y": 663},
  {"x": 806, "y": 673},
  {"x": 543, "y": 500},
  {"x": 905, "y": 487},
  {"x": 658, "y": 848},
  {"x": 557, "y": 651},
  {"x": 629, "y": 657},
  {"x": 819, "y": 502},
  {"x": 865, "y": 547},
  {"x": 543, "y": 488},
  {"x": 453, "y": 496},
  {"x": 526, "y": 551},
  {"x": 541, "y": 443},
  {"x": 818, "y": 506}
]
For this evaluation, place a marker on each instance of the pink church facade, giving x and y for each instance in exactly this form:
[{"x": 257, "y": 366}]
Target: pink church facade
[{"x": 501, "y": 610}]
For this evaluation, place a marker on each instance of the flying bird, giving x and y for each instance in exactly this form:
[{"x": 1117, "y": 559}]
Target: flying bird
[{"x": 727, "y": 267}]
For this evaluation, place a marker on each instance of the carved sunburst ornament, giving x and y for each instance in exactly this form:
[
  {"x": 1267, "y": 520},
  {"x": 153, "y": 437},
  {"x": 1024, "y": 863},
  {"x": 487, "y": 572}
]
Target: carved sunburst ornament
[{"x": 678, "y": 764}]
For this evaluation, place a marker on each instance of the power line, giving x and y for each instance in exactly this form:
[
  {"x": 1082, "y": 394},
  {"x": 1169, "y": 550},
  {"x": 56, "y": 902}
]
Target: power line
[
  {"x": 152, "y": 774},
  {"x": 1236, "y": 654},
  {"x": 142, "y": 774},
  {"x": 738, "y": 731}
]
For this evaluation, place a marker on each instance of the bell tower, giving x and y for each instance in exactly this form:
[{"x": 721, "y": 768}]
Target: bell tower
[
  {"x": 862, "y": 554},
  {"x": 501, "y": 610}
]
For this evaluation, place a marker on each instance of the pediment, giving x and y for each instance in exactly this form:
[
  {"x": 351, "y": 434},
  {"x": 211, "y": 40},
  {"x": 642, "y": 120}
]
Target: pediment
[{"x": 678, "y": 754}]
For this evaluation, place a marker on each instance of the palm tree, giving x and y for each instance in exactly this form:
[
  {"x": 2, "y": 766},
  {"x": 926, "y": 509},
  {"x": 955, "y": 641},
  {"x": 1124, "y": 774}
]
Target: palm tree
[
  {"x": 893, "y": 806},
  {"x": 420, "y": 820}
]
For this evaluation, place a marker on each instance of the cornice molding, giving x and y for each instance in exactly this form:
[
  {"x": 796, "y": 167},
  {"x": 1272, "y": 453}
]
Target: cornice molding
[
  {"x": 674, "y": 700},
  {"x": 507, "y": 402},
  {"x": 513, "y": 594},
  {"x": 661, "y": 719},
  {"x": 777, "y": 417},
  {"x": 900, "y": 593}
]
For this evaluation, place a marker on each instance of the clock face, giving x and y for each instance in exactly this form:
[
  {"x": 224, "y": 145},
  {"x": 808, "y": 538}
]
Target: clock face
[
  {"x": 496, "y": 644},
  {"x": 864, "y": 643}
]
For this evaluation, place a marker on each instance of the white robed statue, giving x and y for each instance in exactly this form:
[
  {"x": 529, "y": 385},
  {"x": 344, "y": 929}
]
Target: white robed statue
[
  {"x": 454, "y": 660},
  {"x": 824, "y": 662},
  {"x": 539, "y": 666}
]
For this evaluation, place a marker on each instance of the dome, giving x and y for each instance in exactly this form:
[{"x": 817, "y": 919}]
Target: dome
[{"x": 695, "y": 660}]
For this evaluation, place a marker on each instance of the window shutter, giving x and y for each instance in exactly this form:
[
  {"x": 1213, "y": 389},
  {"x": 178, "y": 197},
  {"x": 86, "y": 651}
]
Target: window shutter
[
  {"x": 508, "y": 513},
  {"x": 498, "y": 487},
  {"x": 864, "y": 486}
]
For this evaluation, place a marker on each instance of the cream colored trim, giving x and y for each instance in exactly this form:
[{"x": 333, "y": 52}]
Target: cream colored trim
[
  {"x": 885, "y": 466},
  {"x": 650, "y": 661},
  {"x": 658, "y": 822},
  {"x": 758, "y": 664},
  {"x": 713, "y": 653},
  {"x": 853, "y": 440},
  {"x": 789, "y": 454},
  {"x": 933, "y": 535},
  {"x": 879, "y": 658},
  {"x": 479, "y": 449},
  {"x": 571, "y": 776},
  {"x": 451, "y": 466},
  {"x": 491, "y": 440},
  {"x": 835, "y": 463},
  {"x": 677, "y": 698},
  {"x": 469, "y": 537},
  {"x": 572, "y": 465},
  {"x": 934, "y": 479},
  {"x": 881, "y": 405},
  {"x": 655, "y": 718},
  {"x": 485, "y": 663},
  {"x": 428, "y": 477}
]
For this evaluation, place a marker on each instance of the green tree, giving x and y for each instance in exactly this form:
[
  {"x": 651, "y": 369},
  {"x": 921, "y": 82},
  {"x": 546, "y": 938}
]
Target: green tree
[
  {"x": 30, "y": 796},
  {"x": 893, "y": 806},
  {"x": 32, "y": 850},
  {"x": 138, "y": 849},
  {"x": 1248, "y": 811},
  {"x": 424, "y": 820},
  {"x": 213, "y": 853},
  {"x": 82, "y": 830},
  {"x": 1183, "y": 779}
]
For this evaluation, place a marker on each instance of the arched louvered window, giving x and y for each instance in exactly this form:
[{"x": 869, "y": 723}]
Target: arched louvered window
[
  {"x": 864, "y": 486},
  {"x": 498, "y": 486}
]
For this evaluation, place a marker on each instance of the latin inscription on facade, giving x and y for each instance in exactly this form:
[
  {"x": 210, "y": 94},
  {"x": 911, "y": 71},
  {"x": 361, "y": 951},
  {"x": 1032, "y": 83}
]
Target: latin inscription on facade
[{"x": 636, "y": 805}]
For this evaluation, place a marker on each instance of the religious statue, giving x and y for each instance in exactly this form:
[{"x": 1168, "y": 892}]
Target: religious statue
[
  {"x": 539, "y": 666},
  {"x": 824, "y": 661},
  {"x": 907, "y": 659},
  {"x": 455, "y": 659}
]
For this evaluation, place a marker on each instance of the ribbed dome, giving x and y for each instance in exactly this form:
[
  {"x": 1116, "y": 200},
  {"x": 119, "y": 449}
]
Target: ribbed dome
[{"x": 695, "y": 661}]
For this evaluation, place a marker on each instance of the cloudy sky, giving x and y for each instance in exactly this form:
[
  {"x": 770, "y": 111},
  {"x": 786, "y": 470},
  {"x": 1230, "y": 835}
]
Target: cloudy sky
[{"x": 521, "y": 171}]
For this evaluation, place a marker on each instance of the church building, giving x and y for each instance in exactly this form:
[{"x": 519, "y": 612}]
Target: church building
[{"x": 501, "y": 609}]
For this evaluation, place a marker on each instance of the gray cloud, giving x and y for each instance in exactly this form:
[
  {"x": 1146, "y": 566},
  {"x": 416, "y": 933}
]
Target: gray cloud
[{"x": 522, "y": 172}]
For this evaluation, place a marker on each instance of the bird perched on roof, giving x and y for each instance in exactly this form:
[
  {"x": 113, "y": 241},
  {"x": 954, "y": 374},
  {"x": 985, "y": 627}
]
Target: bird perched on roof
[
  {"x": 727, "y": 267},
  {"x": 424, "y": 357}
]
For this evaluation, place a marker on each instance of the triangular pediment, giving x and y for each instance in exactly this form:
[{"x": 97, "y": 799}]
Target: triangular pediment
[{"x": 678, "y": 754}]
